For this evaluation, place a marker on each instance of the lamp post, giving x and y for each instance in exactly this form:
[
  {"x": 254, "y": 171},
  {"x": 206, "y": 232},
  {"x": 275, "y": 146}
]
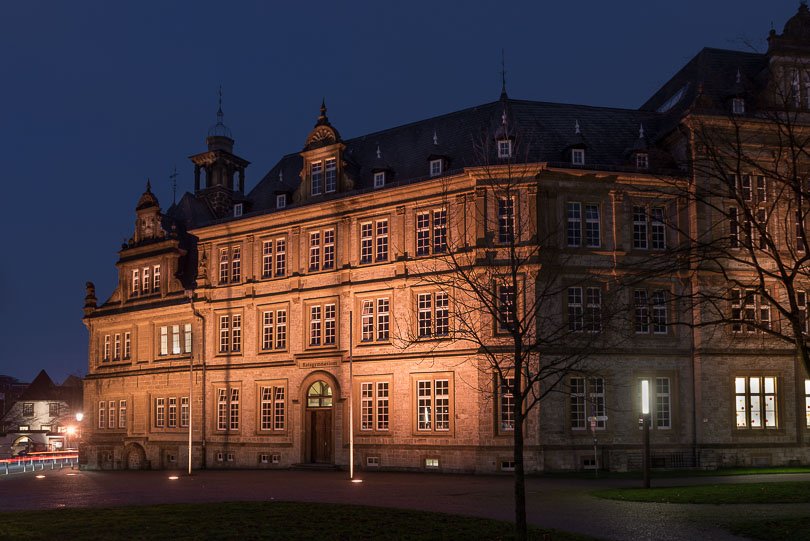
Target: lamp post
[{"x": 645, "y": 420}]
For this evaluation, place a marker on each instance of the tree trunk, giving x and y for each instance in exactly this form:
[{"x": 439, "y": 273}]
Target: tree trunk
[{"x": 521, "y": 531}]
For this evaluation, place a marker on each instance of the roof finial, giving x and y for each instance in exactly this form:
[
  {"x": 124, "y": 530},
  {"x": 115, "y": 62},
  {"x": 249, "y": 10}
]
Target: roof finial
[
  {"x": 503, "y": 75},
  {"x": 280, "y": 175},
  {"x": 641, "y": 131},
  {"x": 220, "y": 115},
  {"x": 148, "y": 185},
  {"x": 435, "y": 138},
  {"x": 173, "y": 176},
  {"x": 323, "y": 107},
  {"x": 576, "y": 127},
  {"x": 379, "y": 154},
  {"x": 739, "y": 76}
]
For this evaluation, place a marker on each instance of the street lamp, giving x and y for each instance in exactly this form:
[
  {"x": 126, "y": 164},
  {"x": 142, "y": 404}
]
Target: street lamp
[
  {"x": 69, "y": 432},
  {"x": 645, "y": 421}
]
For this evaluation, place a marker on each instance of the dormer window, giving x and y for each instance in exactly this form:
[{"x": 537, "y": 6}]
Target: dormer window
[
  {"x": 738, "y": 106},
  {"x": 379, "y": 179},
  {"x": 504, "y": 148},
  {"x": 578, "y": 156},
  {"x": 435, "y": 167},
  {"x": 237, "y": 209},
  {"x": 281, "y": 201},
  {"x": 642, "y": 160},
  {"x": 331, "y": 175},
  {"x": 316, "y": 177}
]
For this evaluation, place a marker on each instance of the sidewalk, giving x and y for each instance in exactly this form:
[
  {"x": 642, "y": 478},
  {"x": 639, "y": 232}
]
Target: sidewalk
[{"x": 564, "y": 504}]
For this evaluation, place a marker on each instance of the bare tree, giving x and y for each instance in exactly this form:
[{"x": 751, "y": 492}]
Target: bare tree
[{"x": 531, "y": 314}]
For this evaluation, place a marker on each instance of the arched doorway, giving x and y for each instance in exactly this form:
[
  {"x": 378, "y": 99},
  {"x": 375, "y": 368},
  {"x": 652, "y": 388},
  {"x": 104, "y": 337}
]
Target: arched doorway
[
  {"x": 135, "y": 457},
  {"x": 319, "y": 422}
]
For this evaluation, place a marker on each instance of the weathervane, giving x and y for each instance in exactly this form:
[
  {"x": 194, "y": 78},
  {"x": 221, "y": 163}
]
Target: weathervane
[{"x": 173, "y": 176}]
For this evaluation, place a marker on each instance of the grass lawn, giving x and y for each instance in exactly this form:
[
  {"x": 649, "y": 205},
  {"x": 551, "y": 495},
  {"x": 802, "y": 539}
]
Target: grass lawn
[
  {"x": 793, "y": 529},
  {"x": 775, "y": 492},
  {"x": 254, "y": 520},
  {"x": 660, "y": 474}
]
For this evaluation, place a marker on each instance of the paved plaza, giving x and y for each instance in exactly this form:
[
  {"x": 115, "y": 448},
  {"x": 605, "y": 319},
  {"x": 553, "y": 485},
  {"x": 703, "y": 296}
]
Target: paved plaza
[{"x": 552, "y": 502}]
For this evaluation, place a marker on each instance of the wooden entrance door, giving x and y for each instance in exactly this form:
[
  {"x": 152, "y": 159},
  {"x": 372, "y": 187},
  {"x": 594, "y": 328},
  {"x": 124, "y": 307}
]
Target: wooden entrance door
[{"x": 320, "y": 424}]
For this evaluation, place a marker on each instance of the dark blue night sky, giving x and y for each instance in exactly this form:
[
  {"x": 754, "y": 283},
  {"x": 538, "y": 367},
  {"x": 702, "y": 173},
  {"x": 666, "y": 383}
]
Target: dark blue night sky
[{"x": 96, "y": 97}]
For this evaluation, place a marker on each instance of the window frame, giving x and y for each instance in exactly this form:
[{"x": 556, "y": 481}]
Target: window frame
[
  {"x": 375, "y": 241},
  {"x": 762, "y": 395},
  {"x": 375, "y": 409},
  {"x": 587, "y": 394},
  {"x": 578, "y": 153},
  {"x": 430, "y": 231},
  {"x": 278, "y": 327},
  {"x": 432, "y": 378},
  {"x": 438, "y": 299},
  {"x": 323, "y": 326},
  {"x": 272, "y": 408}
]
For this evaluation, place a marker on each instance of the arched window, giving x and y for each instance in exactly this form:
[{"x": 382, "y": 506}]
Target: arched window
[{"x": 319, "y": 395}]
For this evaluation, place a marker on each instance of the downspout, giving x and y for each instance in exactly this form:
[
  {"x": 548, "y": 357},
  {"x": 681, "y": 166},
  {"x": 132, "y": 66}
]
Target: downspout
[{"x": 202, "y": 393}]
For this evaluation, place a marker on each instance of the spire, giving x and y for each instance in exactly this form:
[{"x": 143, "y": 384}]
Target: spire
[
  {"x": 323, "y": 119},
  {"x": 379, "y": 154},
  {"x": 435, "y": 138},
  {"x": 219, "y": 129},
  {"x": 220, "y": 114},
  {"x": 576, "y": 128},
  {"x": 641, "y": 131},
  {"x": 280, "y": 175},
  {"x": 739, "y": 76},
  {"x": 503, "y": 76},
  {"x": 148, "y": 185}
]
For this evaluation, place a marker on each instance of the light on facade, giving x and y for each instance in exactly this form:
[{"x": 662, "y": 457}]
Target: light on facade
[{"x": 645, "y": 396}]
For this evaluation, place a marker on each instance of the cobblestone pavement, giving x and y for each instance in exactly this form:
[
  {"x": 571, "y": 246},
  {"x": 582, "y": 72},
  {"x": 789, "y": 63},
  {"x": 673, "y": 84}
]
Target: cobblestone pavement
[{"x": 552, "y": 502}]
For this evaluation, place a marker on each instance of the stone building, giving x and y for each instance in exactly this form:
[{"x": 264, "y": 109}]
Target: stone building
[{"x": 256, "y": 320}]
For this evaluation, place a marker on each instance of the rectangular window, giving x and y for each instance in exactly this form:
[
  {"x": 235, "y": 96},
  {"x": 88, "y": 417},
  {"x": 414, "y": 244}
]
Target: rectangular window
[
  {"x": 164, "y": 340},
  {"x": 172, "y": 412},
  {"x": 136, "y": 282},
  {"x": 329, "y": 328},
  {"x": 801, "y": 238},
  {"x": 374, "y": 320},
  {"x": 755, "y": 399},
  {"x": 156, "y": 279},
  {"x": 329, "y": 249},
  {"x": 435, "y": 167},
  {"x": 592, "y": 226},
  {"x": 506, "y": 405},
  {"x": 224, "y": 266},
  {"x": 117, "y": 347},
  {"x": 331, "y": 175},
  {"x": 431, "y": 232},
  {"x": 574, "y": 229},
  {"x": 587, "y": 403},
  {"x": 366, "y": 242},
  {"x": 657, "y": 229},
  {"x": 102, "y": 414},
  {"x": 184, "y": 412},
  {"x": 315, "y": 251},
  {"x": 111, "y": 413},
  {"x": 578, "y": 156},
  {"x": 382, "y": 319},
  {"x": 750, "y": 311},
  {"x": 374, "y": 406},
  {"x": 738, "y": 106},
  {"x": 504, "y": 148},
  {"x": 53, "y": 409},
  {"x": 281, "y": 257},
  {"x": 367, "y": 321},
  {"x": 160, "y": 412},
  {"x": 106, "y": 353},
  {"x": 433, "y": 404},
  {"x": 267, "y": 330},
  {"x": 281, "y": 329},
  {"x": 233, "y": 418},
  {"x": 367, "y": 406},
  {"x": 733, "y": 228},
  {"x": 224, "y": 334},
  {"x": 659, "y": 312},
  {"x": 807, "y": 402},
  {"x": 576, "y": 313},
  {"x": 642, "y": 160},
  {"x": 175, "y": 339},
  {"x": 187, "y": 337},
  {"x": 663, "y": 404},
  {"x": 122, "y": 414},
  {"x": 28, "y": 409},
  {"x": 593, "y": 312},
  {"x": 236, "y": 333},
  {"x": 316, "y": 176},
  {"x": 382, "y": 405},
  {"x": 272, "y": 408},
  {"x": 433, "y": 317},
  {"x": 222, "y": 409},
  {"x": 236, "y": 264},
  {"x": 127, "y": 345},
  {"x": 315, "y": 326},
  {"x": 507, "y": 316},
  {"x": 281, "y": 201},
  {"x": 322, "y": 325},
  {"x": 145, "y": 281},
  {"x": 381, "y": 234},
  {"x": 745, "y": 188},
  {"x": 642, "y": 311},
  {"x": 639, "y": 228},
  {"x": 506, "y": 219},
  {"x": 379, "y": 179},
  {"x": 267, "y": 259}
]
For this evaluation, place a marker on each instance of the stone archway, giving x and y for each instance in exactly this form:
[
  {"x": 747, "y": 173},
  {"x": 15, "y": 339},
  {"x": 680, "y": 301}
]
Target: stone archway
[
  {"x": 320, "y": 397},
  {"x": 134, "y": 457}
]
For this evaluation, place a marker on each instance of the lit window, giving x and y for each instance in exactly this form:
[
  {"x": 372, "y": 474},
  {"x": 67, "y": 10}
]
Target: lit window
[
  {"x": 578, "y": 156},
  {"x": 587, "y": 403},
  {"x": 316, "y": 177},
  {"x": 433, "y": 317},
  {"x": 435, "y": 167},
  {"x": 506, "y": 405},
  {"x": 374, "y": 408},
  {"x": 504, "y": 148},
  {"x": 755, "y": 399},
  {"x": 272, "y": 408},
  {"x": 433, "y": 404},
  {"x": 506, "y": 219},
  {"x": 379, "y": 179},
  {"x": 331, "y": 175},
  {"x": 136, "y": 282}
]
